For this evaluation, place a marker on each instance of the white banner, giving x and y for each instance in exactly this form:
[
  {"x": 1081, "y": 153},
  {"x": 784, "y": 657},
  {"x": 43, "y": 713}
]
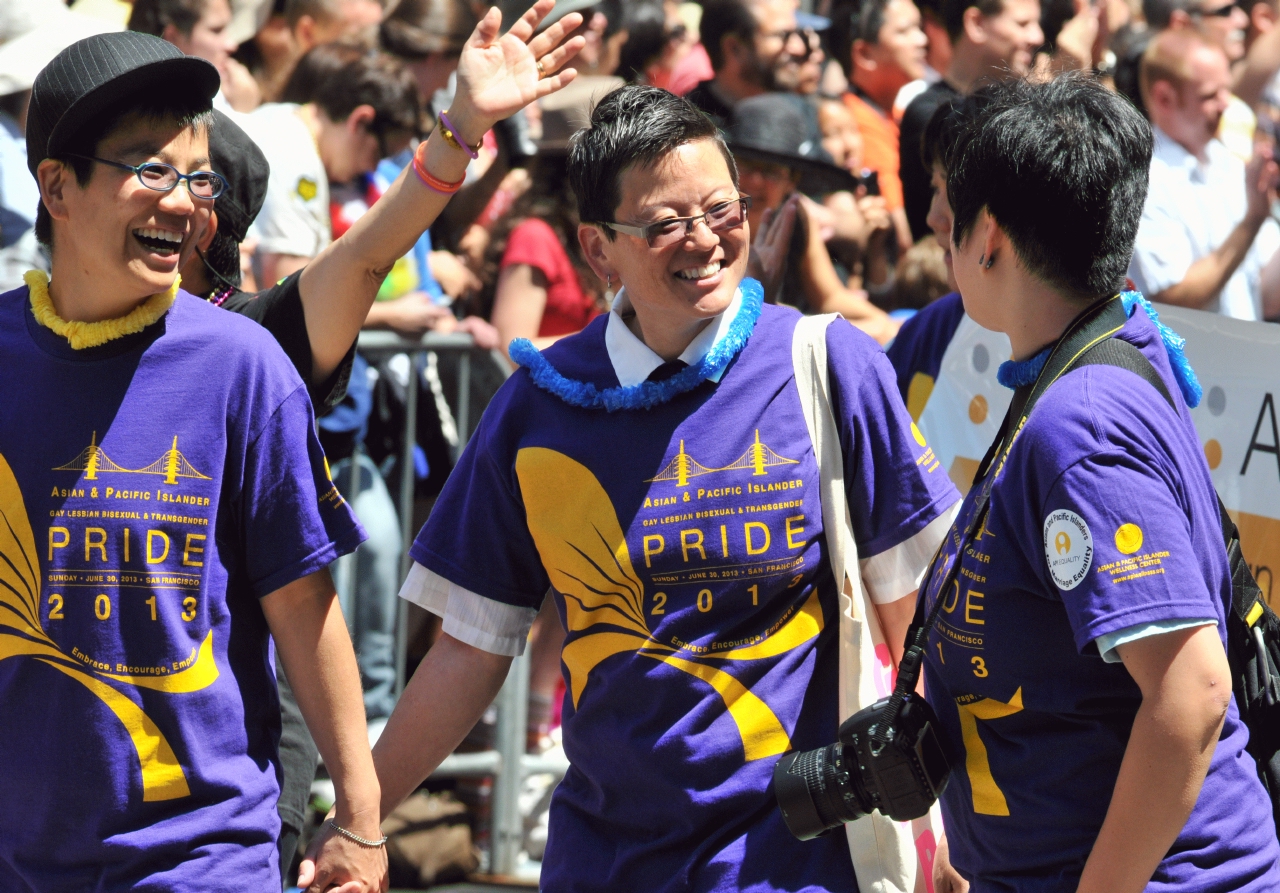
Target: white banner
[{"x": 1238, "y": 364}]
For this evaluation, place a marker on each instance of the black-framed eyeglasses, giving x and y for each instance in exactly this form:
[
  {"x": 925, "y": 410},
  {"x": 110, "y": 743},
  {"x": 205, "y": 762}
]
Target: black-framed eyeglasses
[
  {"x": 160, "y": 177},
  {"x": 662, "y": 233}
]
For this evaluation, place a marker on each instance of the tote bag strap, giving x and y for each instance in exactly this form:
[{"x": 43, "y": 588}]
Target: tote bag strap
[{"x": 884, "y": 857}]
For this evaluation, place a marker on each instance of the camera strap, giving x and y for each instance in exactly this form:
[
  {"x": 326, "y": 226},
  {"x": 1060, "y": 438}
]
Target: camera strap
[{"x": 1096, "y": 324}]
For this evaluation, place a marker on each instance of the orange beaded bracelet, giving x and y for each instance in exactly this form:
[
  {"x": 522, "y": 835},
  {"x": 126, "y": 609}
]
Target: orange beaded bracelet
[{"x": 429, "y": 180}]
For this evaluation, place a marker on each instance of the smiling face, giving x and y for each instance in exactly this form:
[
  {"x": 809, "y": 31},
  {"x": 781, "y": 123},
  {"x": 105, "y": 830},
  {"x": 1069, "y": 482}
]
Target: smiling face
[
  {"x": 134, "y": 238},
  {"x": 1224, "y": 24},
  {"x": 902, "y": 41},
  {"x": 694, "y": 279}
]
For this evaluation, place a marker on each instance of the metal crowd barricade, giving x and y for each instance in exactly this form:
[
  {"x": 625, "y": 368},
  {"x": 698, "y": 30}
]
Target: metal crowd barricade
[{"x": 512, "y": 700}]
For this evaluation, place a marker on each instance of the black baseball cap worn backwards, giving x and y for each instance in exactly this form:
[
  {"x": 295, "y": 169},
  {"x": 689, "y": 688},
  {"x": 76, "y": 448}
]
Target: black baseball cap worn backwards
[
  {"x": 241, "y": 163},
  {"x": 99, "y": 73}
]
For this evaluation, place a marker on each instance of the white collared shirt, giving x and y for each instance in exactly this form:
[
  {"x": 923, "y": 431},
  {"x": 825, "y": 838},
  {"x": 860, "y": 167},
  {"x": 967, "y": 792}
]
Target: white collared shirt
[
  {"x": 634, "y": 361},
  {"x": 1191, "y": 209}
]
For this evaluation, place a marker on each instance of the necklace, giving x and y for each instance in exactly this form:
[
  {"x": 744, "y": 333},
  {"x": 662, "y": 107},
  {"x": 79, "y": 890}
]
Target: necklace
[
  {"x": 93, "y": 334},
  {"x": 647, "y": 394},
  {"x": 1014, "y": 374}
]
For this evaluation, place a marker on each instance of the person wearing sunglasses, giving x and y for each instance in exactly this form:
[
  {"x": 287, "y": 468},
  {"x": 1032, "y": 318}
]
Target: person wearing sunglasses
[{"x": 654, "y": 473}]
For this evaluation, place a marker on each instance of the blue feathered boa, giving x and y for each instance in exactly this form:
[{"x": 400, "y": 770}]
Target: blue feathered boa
[
  {"x": 1019, "y": 373},
  {"x": 647, "y": 394}
]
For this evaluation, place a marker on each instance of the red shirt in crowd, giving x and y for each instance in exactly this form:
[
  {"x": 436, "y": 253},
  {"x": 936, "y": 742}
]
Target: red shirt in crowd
[{"x": 569, "y": 308}]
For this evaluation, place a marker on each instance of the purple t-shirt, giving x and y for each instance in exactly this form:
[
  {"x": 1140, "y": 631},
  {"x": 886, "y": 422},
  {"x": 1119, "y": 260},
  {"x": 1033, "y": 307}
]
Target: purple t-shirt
[
  {"x": 685, "y": 548},
  {"x": 922, "y": 341},
  {"x": 151, "y": 491},
  {"x": 1103, "y": 517}
]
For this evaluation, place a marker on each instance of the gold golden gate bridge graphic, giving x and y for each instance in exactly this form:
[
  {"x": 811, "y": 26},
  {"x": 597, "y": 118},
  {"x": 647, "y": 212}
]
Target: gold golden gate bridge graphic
[
  {"x": 757, "y": 458},
  {"x": 171, "y": 464}
]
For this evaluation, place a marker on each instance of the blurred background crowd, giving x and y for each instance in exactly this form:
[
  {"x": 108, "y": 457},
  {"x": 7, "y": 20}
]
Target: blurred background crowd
[{"x": 826, "y": 99}]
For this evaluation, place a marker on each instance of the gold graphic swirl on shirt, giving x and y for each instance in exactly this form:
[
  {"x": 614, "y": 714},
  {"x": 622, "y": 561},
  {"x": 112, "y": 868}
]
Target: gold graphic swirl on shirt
[
  {"x": 581, "y": 543},
  {"x": 22, "y": 635},
  {"x": 988, "y": 799},
  {"x": 171, "y": 464}
]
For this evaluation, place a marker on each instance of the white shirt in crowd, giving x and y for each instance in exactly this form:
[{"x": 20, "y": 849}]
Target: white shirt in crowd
[
  {"x": 1191, "y": 209},
  {"x": 295, "y": 215}
]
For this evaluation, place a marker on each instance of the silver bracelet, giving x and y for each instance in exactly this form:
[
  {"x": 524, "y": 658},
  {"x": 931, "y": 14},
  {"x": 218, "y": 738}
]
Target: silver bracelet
[{"x": 356, "y": 838}]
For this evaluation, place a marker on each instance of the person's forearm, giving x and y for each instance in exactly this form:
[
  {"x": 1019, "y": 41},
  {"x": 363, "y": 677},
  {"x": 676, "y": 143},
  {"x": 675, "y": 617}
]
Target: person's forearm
[
  {"x": 1186, "y": 693},
  {"x": 1163, "y": 769},
  {"x": 876, "y": 269},
  {"x": 472, "y": 200},
  {"x": 1269, "y": 287},
  {"x": 315, "y": 649},
  {"x": 1206, "y": 277},
  {"x": 895, "y": 618},
  {"x": 447, "y": 695},
  {"x": 1259, "y": 67},
  {"x": 339, "y": 286}
]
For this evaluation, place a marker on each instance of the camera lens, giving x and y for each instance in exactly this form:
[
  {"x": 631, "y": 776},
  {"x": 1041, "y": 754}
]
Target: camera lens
[{"x": 819, "y": 789}]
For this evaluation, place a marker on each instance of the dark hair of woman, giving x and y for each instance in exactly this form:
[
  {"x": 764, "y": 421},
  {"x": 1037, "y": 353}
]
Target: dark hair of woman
[
  {"x": 647, "y": 36},
  {"x": 550, "y": 200},
  {"x": 1071, "y": 146}
]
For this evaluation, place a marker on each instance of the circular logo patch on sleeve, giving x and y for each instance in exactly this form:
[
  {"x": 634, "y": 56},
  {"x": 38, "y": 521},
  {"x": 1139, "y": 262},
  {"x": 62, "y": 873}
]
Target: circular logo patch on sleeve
[
  {"x": 1128, "y": 538},
  {"x": 1068, "y": 548}
]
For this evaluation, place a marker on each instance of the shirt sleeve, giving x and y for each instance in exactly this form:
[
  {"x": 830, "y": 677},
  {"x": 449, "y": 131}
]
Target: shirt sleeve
[
  {"x": 480, "y": 622},
  {"x": 896, "y": 486},
  {"x": 293, "y": 519},
  {"x": 1121, "y": 561},
  {"x": 477, "y": 536},
  {"x": 1162, "y": 253},
  {"x": 295, "y": 214},
  {"x": 1109, "y": 642}
]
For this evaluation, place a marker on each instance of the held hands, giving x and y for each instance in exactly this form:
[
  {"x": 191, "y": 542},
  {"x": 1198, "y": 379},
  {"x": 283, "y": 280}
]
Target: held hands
[
  {"x": 335, "y": 864},
  {"x": 499, "y": 76}
]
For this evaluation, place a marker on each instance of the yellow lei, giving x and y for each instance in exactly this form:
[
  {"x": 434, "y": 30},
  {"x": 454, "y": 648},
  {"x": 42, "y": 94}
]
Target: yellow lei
[{"x": 92, "y": 334}]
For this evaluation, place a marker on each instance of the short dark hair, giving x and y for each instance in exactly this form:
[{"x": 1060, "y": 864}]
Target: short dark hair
[
  {"x": 1159, "y": 13},
  {"x": 943, "y": 133},
  {"x": 1062, "y": 166},
  {"x": 721, "y": 18},
  {"x": 339, "y": 77},
  {"x": 632, "y": 127},
  {"x": 852, "y": 22},
  {"x": 176, "y": 105},
  {"x": 153, "y": 16},
  {"x": 953, "y": 13}
]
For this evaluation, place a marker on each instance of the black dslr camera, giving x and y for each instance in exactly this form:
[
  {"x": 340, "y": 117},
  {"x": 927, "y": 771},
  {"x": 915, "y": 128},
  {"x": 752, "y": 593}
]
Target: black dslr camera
[{"x": 887, "y": 757}]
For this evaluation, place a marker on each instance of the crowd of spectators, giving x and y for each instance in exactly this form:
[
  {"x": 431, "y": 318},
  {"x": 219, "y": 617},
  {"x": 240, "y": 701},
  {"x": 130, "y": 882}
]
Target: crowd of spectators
[{"x": 825, "y": 107}]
